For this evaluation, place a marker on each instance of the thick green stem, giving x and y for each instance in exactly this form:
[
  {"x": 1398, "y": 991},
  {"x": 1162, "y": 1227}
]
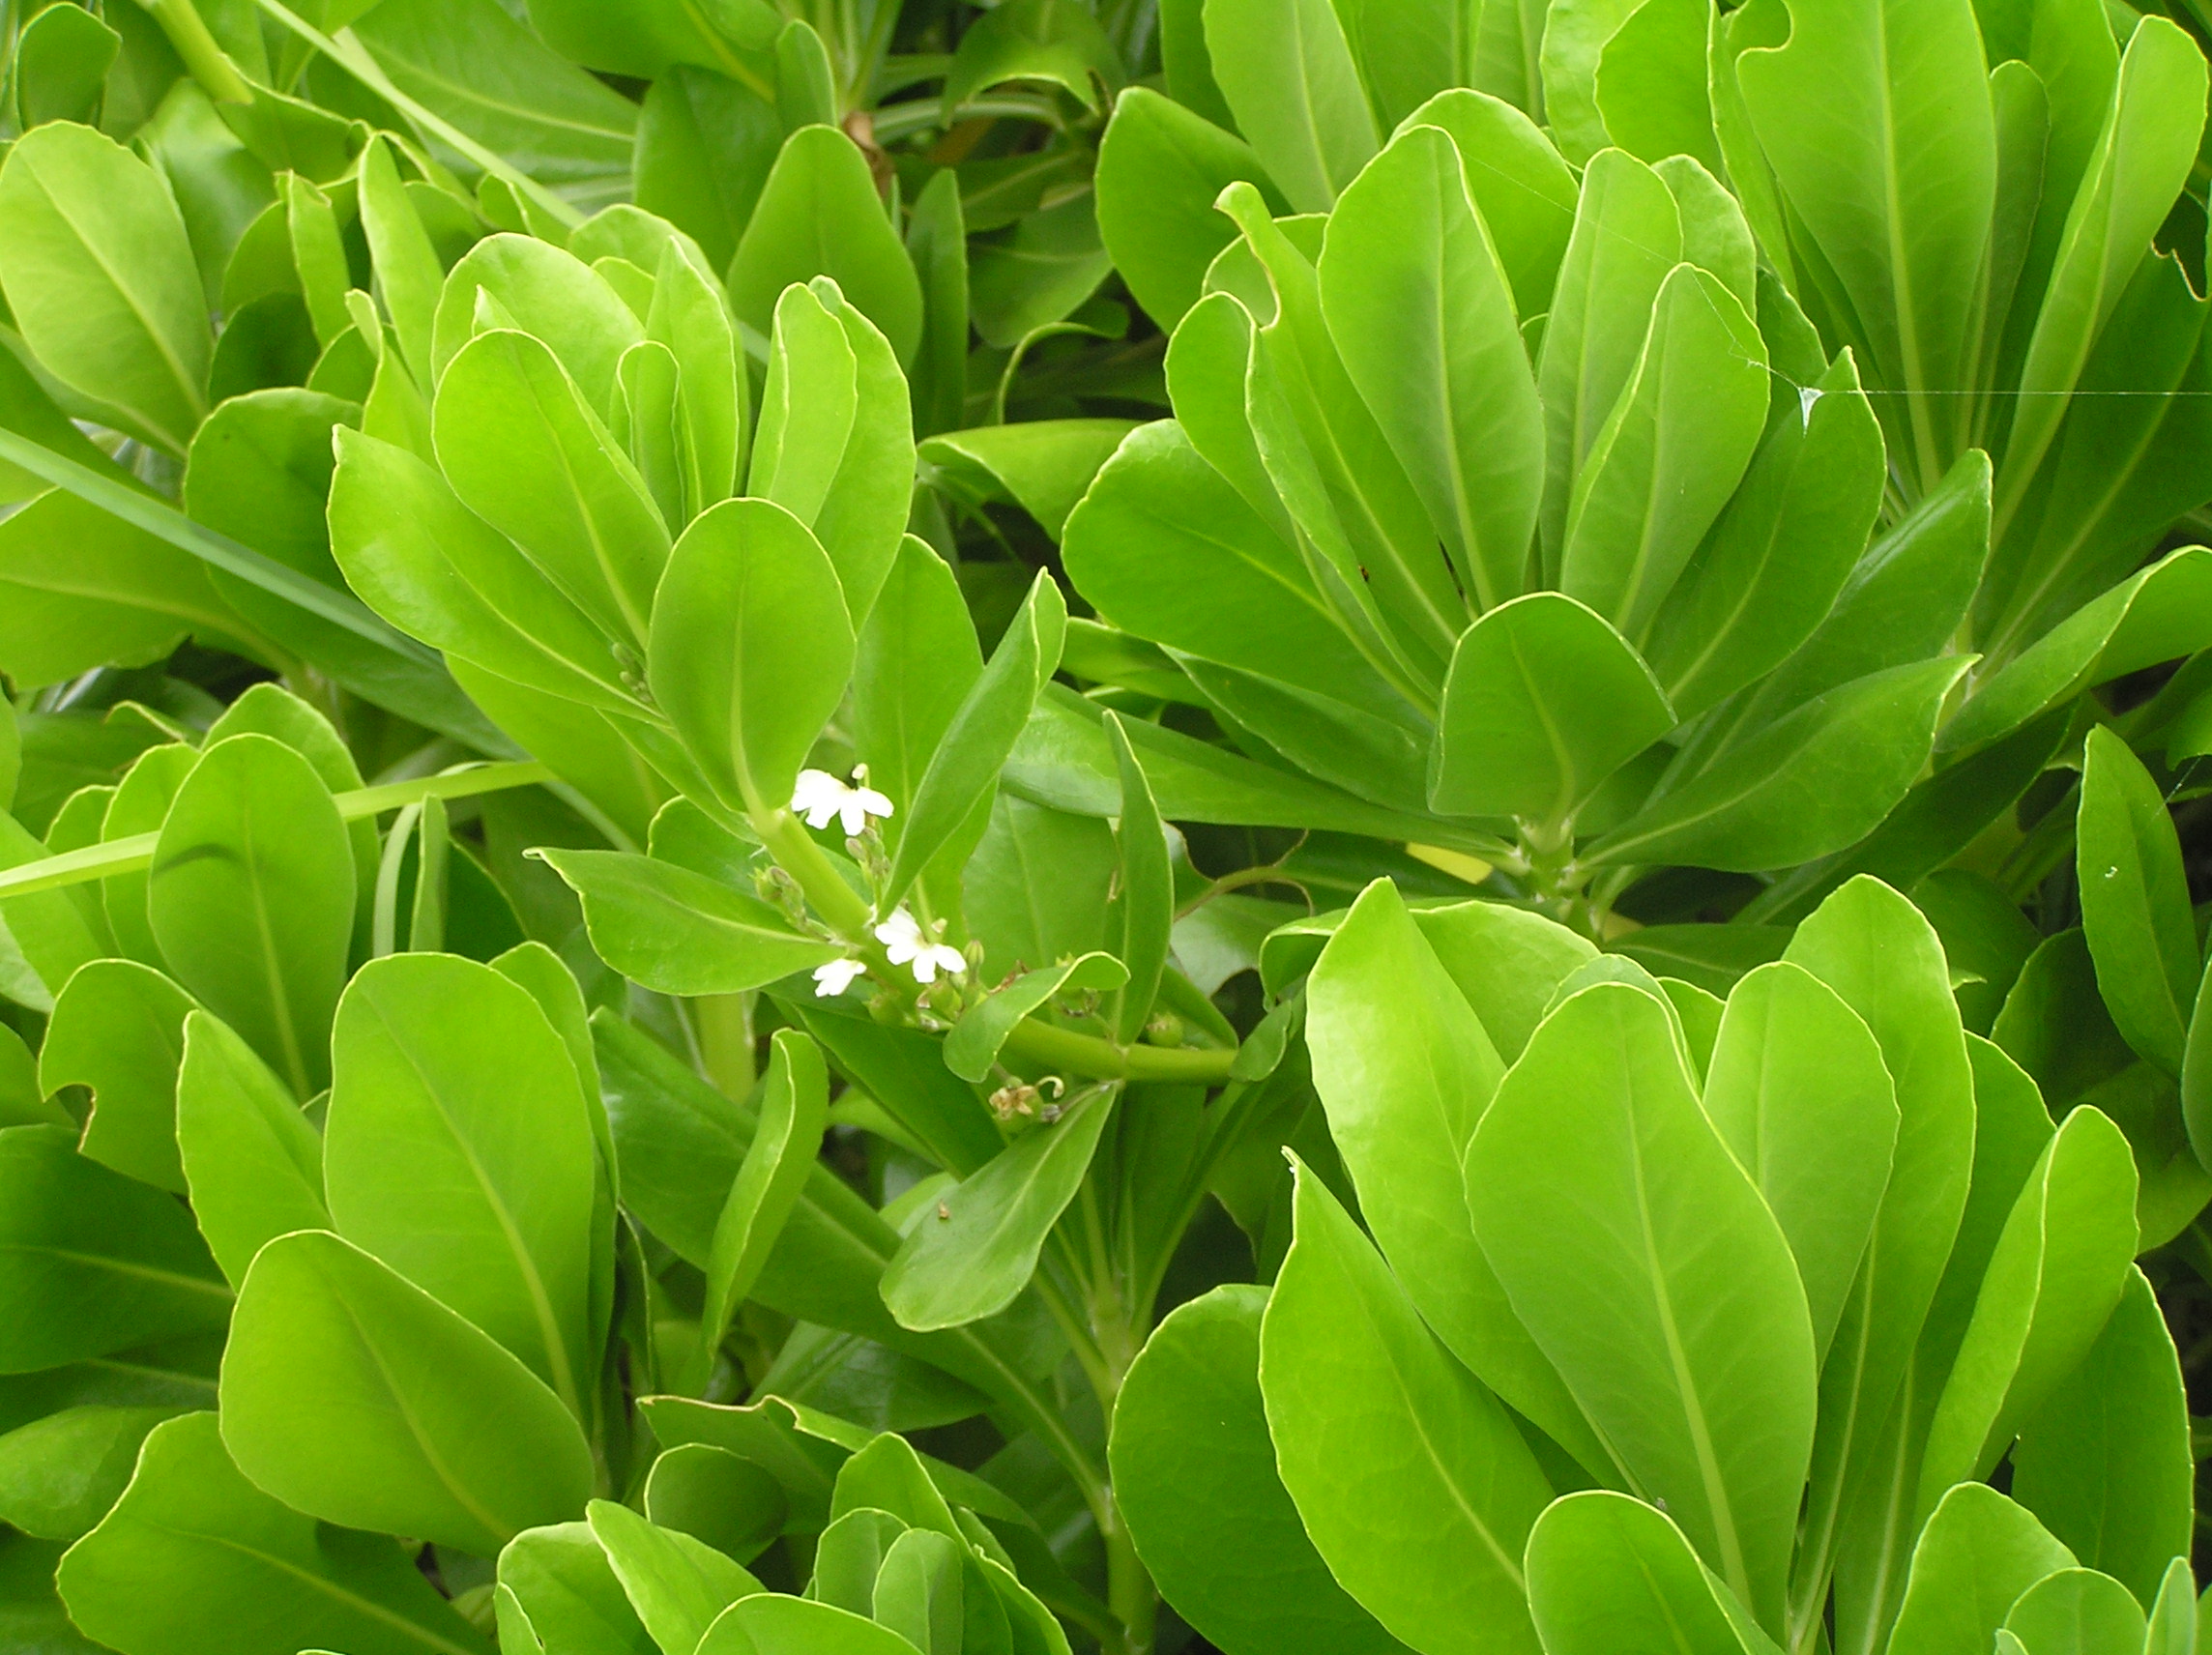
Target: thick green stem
[
  {"x": 844, "y": 910},
  {"x": 135, "y": 854},
  {"x": 726, "y": 1026},
  {"x": 203, "y": 59},
  {"x": 1130, "y": 1589},
  {"x": 1086, "y": 1055}
]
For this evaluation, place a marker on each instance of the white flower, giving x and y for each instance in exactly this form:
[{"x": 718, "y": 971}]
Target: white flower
[
  {"x": 820, "y": 796},
  {"x": 903, "y": 941},
  {"x": 836, "y": 976}
]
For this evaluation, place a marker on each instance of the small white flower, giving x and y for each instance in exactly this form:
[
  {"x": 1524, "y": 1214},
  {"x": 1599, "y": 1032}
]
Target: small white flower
[
  {"x": 903, "y": 941},
  {"x": 820, "y": 796},
  {"x": 836, "y": 976}
]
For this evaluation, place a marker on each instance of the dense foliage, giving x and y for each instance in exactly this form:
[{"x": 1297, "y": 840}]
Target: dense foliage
[{"x": 1275, "y": 826}]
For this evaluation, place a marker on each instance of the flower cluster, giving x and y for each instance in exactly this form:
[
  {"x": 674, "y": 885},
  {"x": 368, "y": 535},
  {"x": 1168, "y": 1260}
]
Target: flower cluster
[{"x": 905, "y": 943}]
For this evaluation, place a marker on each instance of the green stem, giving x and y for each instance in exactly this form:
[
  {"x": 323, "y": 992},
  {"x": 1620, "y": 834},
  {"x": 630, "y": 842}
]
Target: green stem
[
  {"x": 135, "y": 854},
  {"x": 844, "y": 910},
  {"x": 204, "y": 60},
  {"x": 1086, "y": 1055},
  {"x": 1088, "y": 1355},
  {"x": 726, "y": 1026},
  {"x": 1130, "y": 1589}
]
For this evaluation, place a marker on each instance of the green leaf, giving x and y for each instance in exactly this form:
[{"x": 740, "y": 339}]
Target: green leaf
[
  {"x": 1163, "y": 546},
  {"x": 525, "y": 450},
  {"x": 937, "y": 241},
  {"x": 2142, "y": 159},
  {"x": 61, "y": 1475},
  {"x": 460, "y": 1152},
  {"x": 194, "y": 1559},
  {"x": 1651, "y": 83},
  {"x": 1418, "y": 304},
  {"x": 1034, "y": 277},
  {"x": 118, "y": 1027},
  {"x": 1194, "y": 1472},
  {"x": 1809, "y": 783},
  {"x": 980, "y": 735},
  {"x": 848, "y": 1557},
  {"x": 1289, "y": 76},
  {"x": 92, "y": 1262},
  {"x": 1061, "y": 759},
  {"x": 794, "y": 1112},
  {"x": 1798, "y": 1092},
  {"x": 649, "y": 38},
  {"x": 1433, "y": 1550},
  {"x": 22, "y": 1101},
  {"x": 1406, "y": 1071},
  {"x": 2074, "y": 1610},
  {"x": 1506, "y": 961},
  {"x": 1713, "y": 1409},
  {"x": 772, "y": 1624},
  {"x": 254, "y": 1163},
  {"x": 886, "y": 1474},
  {"x": 473, "y": 64},
  {"x": 819, "y": 215},
  {"x": 920, "y": 1592},
  {"x": 916, "y": 658},
  {"x": 973, "y": 1254},
  {"x": 1333, "y": 465},
  {"x": 1519, "y": 183},
  {"x": 972, "y": 1049},
  {"x": 430, "y": 565},
  {"x": 2135, "y": 902},
  {"x": 1160, "y": 170},
  {"x": 1573, "y": 45},
  {"x": 1669, "y": 456},
  {"x": 904, "y": 1070},
  {"x": 1877, "y": 122},
  {"x": 1053, "y": 41},
  {"x": 841, "y": 462},
  {"x": 84, "y": 589},
  {"x": 407, "y": 266},
  {"x": 751, "y": 648},
  {"x": 250, "y": 896},
  {"x": 705, "y": 145},
  {"x": 1146, "y": 896},
  {"x": 100, "y": 281},
  {"x": 141, "y": 802},
  {"x": 1544, "y": 701},
  {"x": 2158, "y": 615},
  {"x": 680, "y": 932},
  {"x": 1044, "y": 466},
  {"x": 2172, "y": 1629},
  {"x": 1781, "y": 550},
  {"x": 733, "y": 1504},
  {"x": 549, "y": 294},
  {"x": 677, "y": 1584},
  {"x": 1607, "y": 1573},
  {"x": 355, "y": 1397},
  {"x": 61, "y": 65},
  {"x": 557, "y": 1580},
  {"x": 2058, "y": 1269},
  {"x": 1627, "y": 238},
  {"x": 1974, "y": 1557},
  {"x": 2106, "y": 1461},
  {"x": 1903, "y": 604},
  {"x": 1885, "y": 962}
]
